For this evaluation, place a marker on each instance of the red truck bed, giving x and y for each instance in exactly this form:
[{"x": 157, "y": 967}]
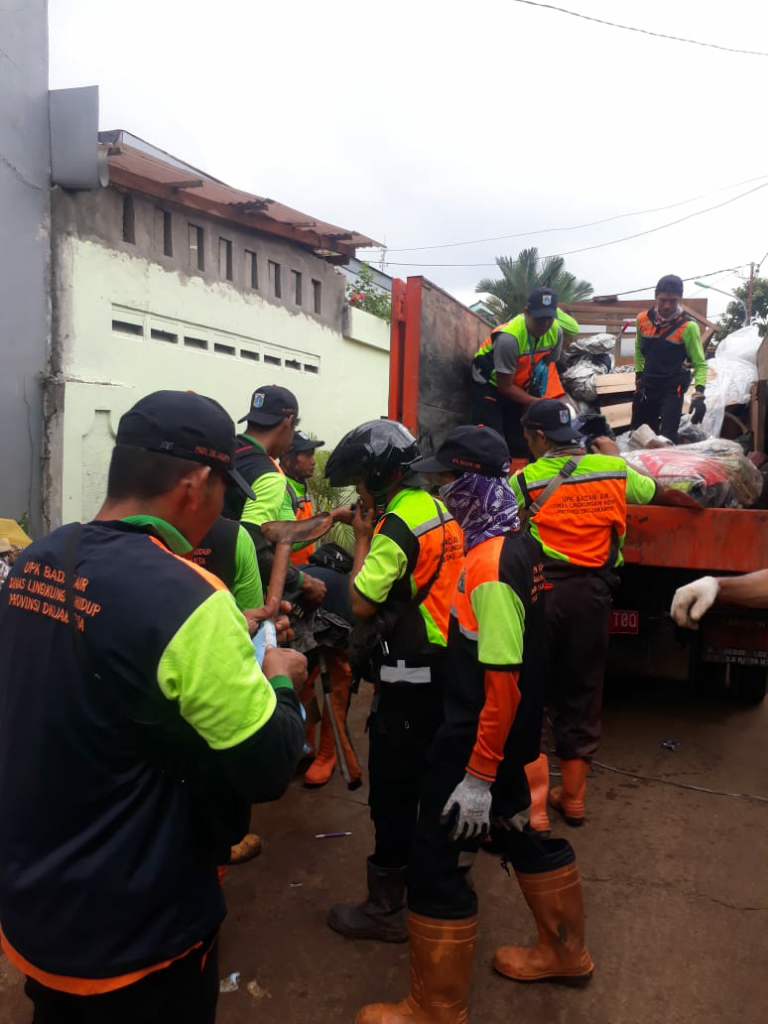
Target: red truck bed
[{"x": 713, "y": 539}]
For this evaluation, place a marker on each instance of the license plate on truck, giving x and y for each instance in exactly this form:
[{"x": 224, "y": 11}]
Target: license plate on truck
[{"x": 624, "y": 621}]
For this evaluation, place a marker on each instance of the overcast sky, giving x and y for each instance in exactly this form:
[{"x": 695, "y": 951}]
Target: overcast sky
[{"x": 422, "y": 122}]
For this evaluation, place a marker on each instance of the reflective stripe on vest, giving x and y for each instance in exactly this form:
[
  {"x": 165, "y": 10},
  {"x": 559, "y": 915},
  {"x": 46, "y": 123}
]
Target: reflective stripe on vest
[{"x": 401, "y": 673}]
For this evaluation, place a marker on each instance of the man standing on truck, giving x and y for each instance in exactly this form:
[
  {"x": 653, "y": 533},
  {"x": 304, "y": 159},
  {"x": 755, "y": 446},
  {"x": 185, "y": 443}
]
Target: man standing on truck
[
  {"x": 667, "y": 338},
  {"x": 408, "y": 555},
  {"x": 575, "y": 504},
  {"x": 516, "y": 366}
]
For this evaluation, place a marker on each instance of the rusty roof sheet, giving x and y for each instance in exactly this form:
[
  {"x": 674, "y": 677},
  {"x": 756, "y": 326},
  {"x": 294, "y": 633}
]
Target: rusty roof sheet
[{"x": 176, "y": 182}]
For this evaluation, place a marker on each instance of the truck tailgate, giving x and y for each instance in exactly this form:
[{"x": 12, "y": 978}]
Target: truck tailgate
[{"x": 713, "y": 539}]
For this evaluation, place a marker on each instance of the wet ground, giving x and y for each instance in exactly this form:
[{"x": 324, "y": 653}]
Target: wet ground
[{"x": 676, "y": 886}]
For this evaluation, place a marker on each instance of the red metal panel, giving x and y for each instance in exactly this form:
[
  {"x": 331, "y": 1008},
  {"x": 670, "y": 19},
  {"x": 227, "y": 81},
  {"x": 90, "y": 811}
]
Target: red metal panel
[
  {"x": 396, "y": 350},
  {"x": 713, "y": 539},
  {"x": 410, "y": 357}
]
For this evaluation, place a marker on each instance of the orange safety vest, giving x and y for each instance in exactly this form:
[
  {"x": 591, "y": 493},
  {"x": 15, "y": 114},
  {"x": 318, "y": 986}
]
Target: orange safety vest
[
  {"x": 531, "y": 352},
  {"x": 303, "y": 509}
]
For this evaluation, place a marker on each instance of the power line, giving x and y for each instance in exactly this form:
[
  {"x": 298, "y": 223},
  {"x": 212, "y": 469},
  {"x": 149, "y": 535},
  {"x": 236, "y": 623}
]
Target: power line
[
  {"x": 599, "y": 245},
  {"x": 577, "y": 227},
  {"x": 644, "y": 31},
  {"x": 694, "y": 277}
]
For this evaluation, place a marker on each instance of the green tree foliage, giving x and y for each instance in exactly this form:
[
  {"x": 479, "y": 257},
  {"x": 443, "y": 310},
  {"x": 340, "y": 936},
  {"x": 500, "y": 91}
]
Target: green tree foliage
[
  {"x": 362, "y": 293},
  {"x": 735, "y": 315},
  {"x": 521, "y": 275},
  {"x": 326, "y": 498}
]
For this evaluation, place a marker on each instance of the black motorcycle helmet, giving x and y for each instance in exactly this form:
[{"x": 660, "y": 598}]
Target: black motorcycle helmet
[{"x": 378, "y": 452}]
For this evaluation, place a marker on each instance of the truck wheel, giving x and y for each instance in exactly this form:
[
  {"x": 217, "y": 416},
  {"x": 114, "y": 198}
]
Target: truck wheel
[{"x": 748, "y": 683}]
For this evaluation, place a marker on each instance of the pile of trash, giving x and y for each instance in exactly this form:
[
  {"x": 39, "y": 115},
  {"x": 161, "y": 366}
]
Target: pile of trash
[
  {"x": 13, "y": 540},
  {"x": 584, "y": 360},
  {"x": 715, "y": 473},
  {"x": 735, "y": 366}
]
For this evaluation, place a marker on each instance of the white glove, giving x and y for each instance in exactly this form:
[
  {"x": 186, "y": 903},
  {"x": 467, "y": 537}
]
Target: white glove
[
  {"x": 692, "y": 601},
  {"x": 472, "y": 802}
]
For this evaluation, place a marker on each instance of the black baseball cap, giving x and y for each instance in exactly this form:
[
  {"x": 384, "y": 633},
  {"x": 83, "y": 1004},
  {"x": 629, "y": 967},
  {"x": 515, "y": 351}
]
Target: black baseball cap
[
  {"x": 542, "y": 302},
  {"x": 553, "y": 418},
  {"x": 270, "y": 404},
  {"x": 670, "y": 284},
  {"x": 185, "y": 425},
  {"x": 303, "y": 443},
  {"x": 468, "y": 450}
]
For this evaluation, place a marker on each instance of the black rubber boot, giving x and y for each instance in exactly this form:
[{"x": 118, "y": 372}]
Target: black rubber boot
[{"x": 382, "y": 916}]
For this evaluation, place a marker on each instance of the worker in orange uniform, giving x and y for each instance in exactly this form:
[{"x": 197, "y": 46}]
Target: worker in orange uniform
[
  {"x": 476, "y": 769},
  {"x": 517, "y": 365},
  {"x": 575, "y": 503},
  {"x": 298, "y": 464}
]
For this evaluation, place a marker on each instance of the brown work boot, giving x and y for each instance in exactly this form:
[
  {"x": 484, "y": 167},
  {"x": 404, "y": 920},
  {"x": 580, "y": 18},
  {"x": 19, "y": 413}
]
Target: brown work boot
[
  {"x": 321, "y": 769},
  {"x": 382, "y": 915},
  {"x": 568, "y": 799},
  {"x": 441, "y": 955},
  {"x": 248, "y": 848},
  {"x": 538, "y": 783},
  {"x": 556, "y": 899}
]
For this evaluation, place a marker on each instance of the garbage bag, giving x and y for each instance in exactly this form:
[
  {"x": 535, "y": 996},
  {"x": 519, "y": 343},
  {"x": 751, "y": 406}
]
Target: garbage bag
[
  {"x": 715, "y": 473},
  {"x": 741, "y": 344},
  {"x": 732, "y": 385}
]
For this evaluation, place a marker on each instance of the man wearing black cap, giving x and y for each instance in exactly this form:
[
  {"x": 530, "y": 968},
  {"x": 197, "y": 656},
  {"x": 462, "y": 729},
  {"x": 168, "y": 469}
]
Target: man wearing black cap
[
  {"x": 298, "y": 463},
  {"x": 475, "y": 778},
  {"x": 575, "y": 504},
  {"x": 667, "y": 341},
  {"x": 271, "y": 423},
  {"x": 137, "y": 729},
  {"x": 517, "y": 365}
]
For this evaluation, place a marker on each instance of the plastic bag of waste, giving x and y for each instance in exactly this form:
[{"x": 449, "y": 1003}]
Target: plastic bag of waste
[
  {"x": 592, "y": 345},
  {"x": 732, "y": 385},
  {"x": 689, "y": 432},
  {"x": 742, "y": 344},
  {"x": 715, "y": 473}
]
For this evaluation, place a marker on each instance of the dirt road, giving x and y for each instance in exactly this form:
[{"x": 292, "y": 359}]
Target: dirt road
[{"x": 676, "y": 887}]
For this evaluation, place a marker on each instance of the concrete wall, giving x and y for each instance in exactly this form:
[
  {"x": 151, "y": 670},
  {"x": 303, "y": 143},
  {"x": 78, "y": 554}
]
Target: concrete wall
[
  {"x": 127, "y": 323},
  {"x": 24, "y": 252}
]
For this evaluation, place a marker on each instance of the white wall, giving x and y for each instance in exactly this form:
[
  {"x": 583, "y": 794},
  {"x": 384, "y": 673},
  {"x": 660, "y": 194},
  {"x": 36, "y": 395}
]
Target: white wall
[{"x": 109, "y": 303}]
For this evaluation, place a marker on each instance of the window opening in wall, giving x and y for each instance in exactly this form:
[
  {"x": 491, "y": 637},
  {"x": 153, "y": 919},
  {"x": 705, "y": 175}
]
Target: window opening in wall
[
  {"x": 296, "y": 287},
  {"x": 292, "y": 364},
  {"x": 317, "y": 295},
  {"x": 309, "y": 368},
  {"x": 225, "y": 259},
  {"x": 159, "y": 335},
  {"x": 167, "y": 234},
  {"x": 251, "y": 269},
  {"x": 196, "y": 247},
  {"x": 275, "y": 284},
  {"x": 224, "y": 350},
  {"x": 123, "y": 327},
  {"x": 245, "y": 353},
  {"x": 196, "y": 343},
  {"x": 129, "y": 219},
  {"x": 273, "y": 360}
]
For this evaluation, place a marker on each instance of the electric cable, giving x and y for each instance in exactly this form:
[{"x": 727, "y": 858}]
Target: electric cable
[
  {"x": 575, "y": 227},
  {"x": 643, "y": 31}
]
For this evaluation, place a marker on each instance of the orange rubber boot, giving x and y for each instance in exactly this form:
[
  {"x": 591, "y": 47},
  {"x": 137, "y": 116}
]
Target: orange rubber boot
[
  {"x": 441, "y": 954},
  {"x": 557, "y": 903},
  {"x": 321, "y": 769},
  {"x": 568, "y": 799},
  {"x": 538, "y": 783}
]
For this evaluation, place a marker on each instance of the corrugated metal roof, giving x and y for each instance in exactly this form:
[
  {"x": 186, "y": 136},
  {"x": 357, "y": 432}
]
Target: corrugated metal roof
[{"x": 145, "y": 170}]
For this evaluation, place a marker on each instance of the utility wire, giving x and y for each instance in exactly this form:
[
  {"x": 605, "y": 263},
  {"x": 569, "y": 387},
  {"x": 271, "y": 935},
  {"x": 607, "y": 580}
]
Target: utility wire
[
  {"x": 644, "y": 31},
  {"x": 598, "y": 245},
  {"x": 577, "y": 227},
  {"x": 695, "y": 277}
]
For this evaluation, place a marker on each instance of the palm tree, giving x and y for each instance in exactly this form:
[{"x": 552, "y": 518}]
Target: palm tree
[{"x": 520, "y": 276}]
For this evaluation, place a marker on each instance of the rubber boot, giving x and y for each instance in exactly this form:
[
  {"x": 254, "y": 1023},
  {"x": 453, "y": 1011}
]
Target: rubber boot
[
  {"x": 321, "y": 769},
  {"x": 248, "y": 848},
  {"x": 568, "y": 799},
  {"x": 382, "y": 915},
  {"x": 441, "y": 954},
  {"x": 538, "y": 783},
  {"x": 557, "y": 903}
]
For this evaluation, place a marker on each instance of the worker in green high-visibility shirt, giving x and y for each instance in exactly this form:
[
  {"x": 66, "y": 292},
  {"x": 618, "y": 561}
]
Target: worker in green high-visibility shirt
[{"x": 668, "y": 341}]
